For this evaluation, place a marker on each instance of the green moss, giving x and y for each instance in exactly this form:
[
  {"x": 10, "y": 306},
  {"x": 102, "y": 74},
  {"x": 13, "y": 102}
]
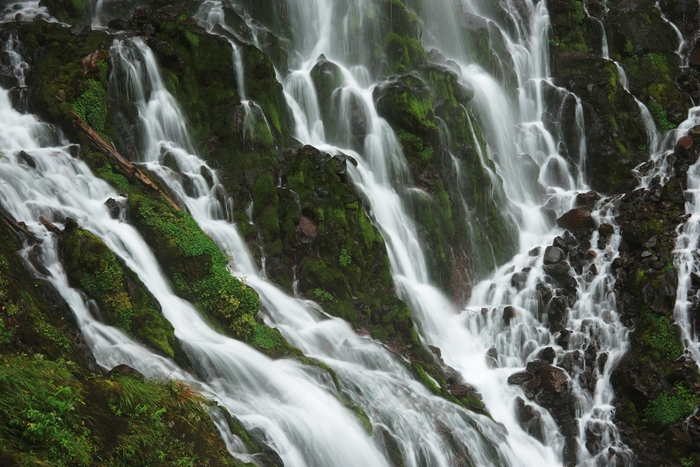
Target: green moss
[
  {"x": 266, "y": 338},
  {"x": 423, "y": 377},
  {"x": 198, "y": 266},
  {"x": 660, "y": 117},
  {"x": 669, "y": 407},
  {"x": 122, "y": 298},
  {"x": 662, "y": 337},
  {"x": 364, "y": 419},
  {"x": 403, "y": 53}
]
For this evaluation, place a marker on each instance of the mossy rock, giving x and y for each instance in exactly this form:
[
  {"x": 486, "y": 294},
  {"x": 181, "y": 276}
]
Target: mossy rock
[
  {"x": 123, "y": 300},
  {"x": 197, "y": 266},
  {"x": 68, "y": 11},
  {"x": 402, "y": 53},
  {"x": 121, "y": 420},
  {"x": 33, "y": 316},
  {"x": 327, "y": 78}
]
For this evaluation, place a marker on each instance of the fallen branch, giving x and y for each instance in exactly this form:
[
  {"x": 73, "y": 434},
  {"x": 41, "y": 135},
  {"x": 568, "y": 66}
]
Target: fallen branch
[
  {"x": 100, "y": 145},
  {"x": 18, "y": 228}
]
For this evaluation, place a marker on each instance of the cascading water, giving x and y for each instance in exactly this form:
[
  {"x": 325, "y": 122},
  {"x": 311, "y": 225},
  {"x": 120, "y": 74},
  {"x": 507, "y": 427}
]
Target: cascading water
[
  {"x": 28, "y": 10},
  {"x": 464, "y": 343},
  {"x": 299, "y": 414},
  {"x": 372, "y": 378},
  {"x": 295, "y": 408}
]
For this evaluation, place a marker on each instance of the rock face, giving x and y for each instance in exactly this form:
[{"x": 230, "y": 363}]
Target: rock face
[
  {"x": 655, "y": 372},
  {"x": 578, "y": 218}
]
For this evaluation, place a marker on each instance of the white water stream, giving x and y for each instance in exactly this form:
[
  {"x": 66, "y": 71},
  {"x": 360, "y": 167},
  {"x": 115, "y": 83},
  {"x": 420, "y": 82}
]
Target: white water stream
[
  {"x": 294, "y": 406},
  {"x": 380, "y": 177},
  {"x": 372, "y": 377}
]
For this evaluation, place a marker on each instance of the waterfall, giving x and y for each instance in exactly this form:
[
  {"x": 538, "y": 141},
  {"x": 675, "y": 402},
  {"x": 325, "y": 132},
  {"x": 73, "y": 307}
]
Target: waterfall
[
  {"x": 372, "y": 378},
  {"x": 503, "y": 331},
  {"x": 296, "y": 408},
  {"x": 28, "y": 10},
  {"x": 463, "y": 336}
]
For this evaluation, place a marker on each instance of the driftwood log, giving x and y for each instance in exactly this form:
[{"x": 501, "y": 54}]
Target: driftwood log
[{"x": 100, "y": 145}]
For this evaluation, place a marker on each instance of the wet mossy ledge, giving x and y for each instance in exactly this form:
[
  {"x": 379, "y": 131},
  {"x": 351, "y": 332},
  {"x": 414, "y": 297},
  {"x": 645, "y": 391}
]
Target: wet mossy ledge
[
  {"x": 615, "y": 130},
  {"x": 121, "y": 297},
  {"x": 250, "y": 163},
  {"x": 196, "y": 264},
  {"x": 59, "y": 409}
]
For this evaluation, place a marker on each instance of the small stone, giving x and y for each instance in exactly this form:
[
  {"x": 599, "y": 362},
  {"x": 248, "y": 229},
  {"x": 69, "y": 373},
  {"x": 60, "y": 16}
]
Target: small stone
[
  {"x": 647, "y": 254},
  {"x": 535, "y": 251},
  {"x": 651, "y": 243},
  {"x": 508, "y": 314},
  {"x": 592, "y": 253},
  {"x": 548, "y": 355},
  {"x": 520, "y": 377},
  {"x": 553, "y": 255}
]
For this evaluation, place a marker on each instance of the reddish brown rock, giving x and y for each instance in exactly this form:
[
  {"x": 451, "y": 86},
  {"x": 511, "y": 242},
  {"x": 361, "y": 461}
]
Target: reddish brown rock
[
  {"x": 577, "y": 218},
  {"x": 553, "y": 378}
]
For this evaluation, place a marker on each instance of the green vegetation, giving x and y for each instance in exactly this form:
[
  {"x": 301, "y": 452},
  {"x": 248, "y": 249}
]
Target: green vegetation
[
  {"x": 660, "y": 117},
  {"x": 199, "y": 268},
  {"x": 345, "y": 259},
  {"x": 90, "y": 105},
  {"x": 669, "y": 407},
  {"x": 122, "y": 298},
  {"x": 38, "y": 401},
  {"x": 661, "y": 335},
  {"x": 53, "y": 418},
  {"x": 322, "y": 295}
]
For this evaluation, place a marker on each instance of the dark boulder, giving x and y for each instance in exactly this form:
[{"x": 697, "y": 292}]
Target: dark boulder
[
  {"x": 553, "y": 255},
  {"x": 577, "y": 218}
]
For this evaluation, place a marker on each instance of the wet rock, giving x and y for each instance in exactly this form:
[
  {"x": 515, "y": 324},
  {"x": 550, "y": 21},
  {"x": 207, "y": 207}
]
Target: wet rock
[
  {"x": 606, "y": 230},
  {"x": 587, "y": 199},
  {"x": 118, "y": 24},
  {"x": 577, "y": 218},
  {"x": 684, "y": 145},
  {"x": 492, "y": 357},
  {"x": 553, "y": 378},
  {"x": 114, "y": 208},
  {"x": 695, "y": 58},
  {"x": 207, "y": 175},
  {"x": 520, "y": 377},
  {"x": 563, "y": 339},
  {"x": 530, "y": 420},
  {"x": 535, "y": 251},
  {"x": 27, "y": 159},
  {"x": 519, "y": 280},
  {"x": 570, "y": 451},
  {"x": 553, "y": 255},
  {"x": 557, "y": 271},
  {"x": 80, "y": 30},
  {"x": 508, "y": 314},
  {"x": 548, "y": 355},
  {"x": 557, "y": 313}
]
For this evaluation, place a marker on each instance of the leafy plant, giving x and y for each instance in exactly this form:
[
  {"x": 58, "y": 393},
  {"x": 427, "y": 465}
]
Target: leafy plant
[
  {"x": 660, "y": 117},
  {"x": 345, "y": 258},
  {"x": 91, "y": 106},
  {"x": 322, "y": 295},
  {"x": 667, "y": 408}
]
